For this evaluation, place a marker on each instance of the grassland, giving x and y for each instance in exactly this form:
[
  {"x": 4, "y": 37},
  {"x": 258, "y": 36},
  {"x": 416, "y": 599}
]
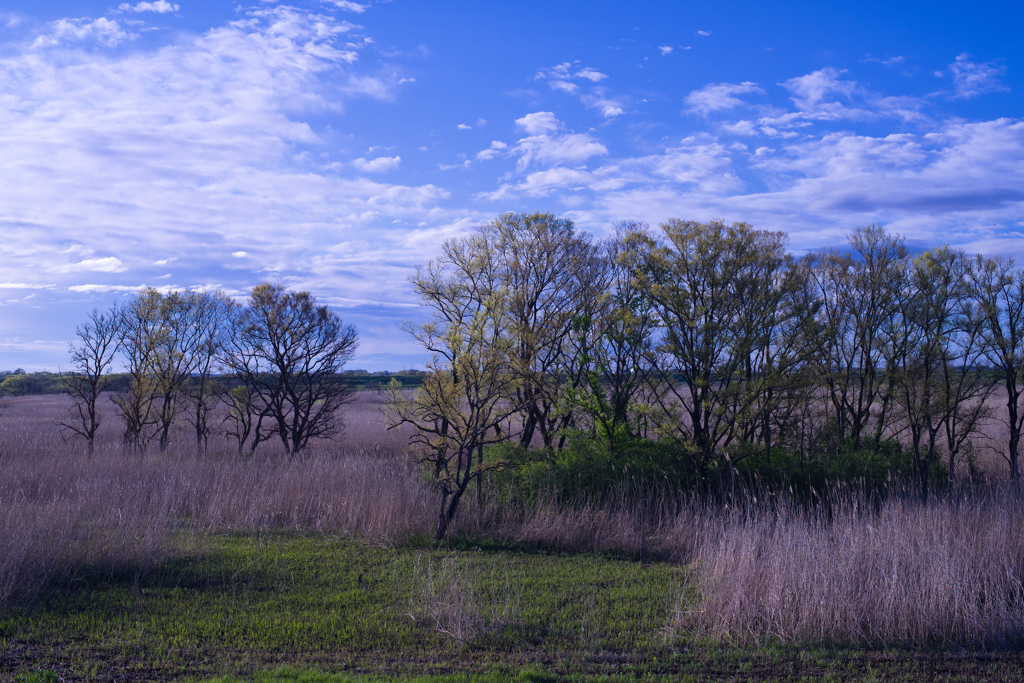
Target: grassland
[
  {"x": 180, "y": 567},
  {"x": 285, "y": 606}
]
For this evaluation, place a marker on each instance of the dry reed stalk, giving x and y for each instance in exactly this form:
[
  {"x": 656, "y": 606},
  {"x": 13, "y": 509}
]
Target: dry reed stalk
[
  {"x": 463, "y": 603},
  {"x": 950, "y": 572}
]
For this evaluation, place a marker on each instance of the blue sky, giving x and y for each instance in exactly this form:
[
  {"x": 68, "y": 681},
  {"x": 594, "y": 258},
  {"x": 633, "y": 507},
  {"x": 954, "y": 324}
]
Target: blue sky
[{"x": 333, "y": 145}]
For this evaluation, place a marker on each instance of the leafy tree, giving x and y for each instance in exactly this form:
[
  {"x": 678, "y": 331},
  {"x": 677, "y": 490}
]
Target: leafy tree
[
  {"x": 470, "y": 392},
  {"x": 550, "y": 274},
  {"x": 711, "y": 286},
  {"x": 614, "y": 349}
]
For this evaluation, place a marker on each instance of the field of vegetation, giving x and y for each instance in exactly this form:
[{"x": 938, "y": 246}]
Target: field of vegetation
[
  {"x": 680, "y": 455},
  {"x": 324, "y": 567}
]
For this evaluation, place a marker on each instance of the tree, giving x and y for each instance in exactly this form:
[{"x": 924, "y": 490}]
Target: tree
[
  {"x": 551, "y": 275},
  {"x": 938, "y": 385},
  {"x": 711, "y": 286},
  {"x": 210, "y": 316},
  {"x": 183, "y": 329},
  {"x": 91, "y": 359},
  {"x": 470, "y": 392},
  {"x": 140, "y": 334},
  {"x": 246, "y": 410},
  {"x": 292, "y": 354},
  {"x": 999, "y": 290},
  {"x": 614, "y": 348},
  {"x": 859, "y": 294}
]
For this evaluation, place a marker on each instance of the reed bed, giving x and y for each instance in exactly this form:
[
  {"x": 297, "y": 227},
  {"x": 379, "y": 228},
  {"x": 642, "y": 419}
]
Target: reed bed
[{"x": 875, "y": 572}]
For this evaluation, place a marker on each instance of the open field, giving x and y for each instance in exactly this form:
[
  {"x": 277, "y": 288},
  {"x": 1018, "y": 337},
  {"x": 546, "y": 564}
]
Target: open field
[{"x": 163, "y": 567}]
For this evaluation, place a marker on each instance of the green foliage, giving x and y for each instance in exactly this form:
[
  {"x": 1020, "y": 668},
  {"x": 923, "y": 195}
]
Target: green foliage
[
  {"x": 586, "y": 469},
  {"x": 24, "y": 384},
  {"x": 871, "y": 467},
  {"x": 41, "y": 676},
  {"x": 249, "y": 603}
]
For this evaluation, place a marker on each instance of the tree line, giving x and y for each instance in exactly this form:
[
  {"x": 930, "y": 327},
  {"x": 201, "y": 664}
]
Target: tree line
[
  {"x": 709, "y": 340},
  {"x": 712, "y": 338},
  {"x": 275, "y": 363}
]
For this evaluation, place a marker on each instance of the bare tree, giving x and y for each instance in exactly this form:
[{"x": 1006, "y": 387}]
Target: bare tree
[
  {"x": 210, "y": 316},
  {"x": 858, "y": 296},
  {"x": 294, "y": 351},
  {"x": 246, "y": 409},
  {"x": 91, "y": 359},
  {"x": 939, "y": 388},
  {"x": 999, "y": 289}
]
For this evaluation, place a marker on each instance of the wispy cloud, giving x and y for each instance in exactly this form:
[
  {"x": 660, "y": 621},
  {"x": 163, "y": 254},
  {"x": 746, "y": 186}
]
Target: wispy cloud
[
  {"x": 195, "y": 151},
  {"x": 159, "y": 6},
  {"x": 570, "y": 78},
  {"x": 971, "y": 78},
  {"x": 348, "y": 6},
  {"x": 103, "y": 31},
  {"x": 548, "y": 144},
  {"x": 108, "y": 264},
  {"x": 716, "y": 97}
]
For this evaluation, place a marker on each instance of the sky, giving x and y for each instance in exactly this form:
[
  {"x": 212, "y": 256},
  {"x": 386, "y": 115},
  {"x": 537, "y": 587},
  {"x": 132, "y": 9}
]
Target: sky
[{"x": 333, "y": 145}]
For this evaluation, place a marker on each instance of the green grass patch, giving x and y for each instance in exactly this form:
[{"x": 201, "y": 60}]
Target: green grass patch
[{"x": 295, "y": 608}]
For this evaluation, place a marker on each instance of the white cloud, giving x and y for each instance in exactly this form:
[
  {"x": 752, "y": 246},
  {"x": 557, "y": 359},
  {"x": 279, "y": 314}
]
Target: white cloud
[
  {"x": 571, "y": 148},
  {"x": 92, "y": 288},
  {"x": 497, "y": 146},
  {"x": 719, "y": 97},
  {"x": 160, "y": 6},
  {"x": 591, "y": 75},
  {"x": 816, "y": 88},
  {"x": 349, "y": 6},
  {"x": 104, "y": 31},
  {"x": 704, "y": 33},
  {"x": 665, "y": 50},
  {"x": 539, "y": 122},
  {"x": 240, "y": 254},
  {"x": 109, "y": 264},
  {"x": 463, "y": 126},
  {"x": 561, "y": 77},
  {"x": 971, "y": 79},
  {"x": 24, "y": 285},
  {"x": 740, "y": 128},
  {"x": 192, "y": 149},
  {"x": 378, "y": 165}
]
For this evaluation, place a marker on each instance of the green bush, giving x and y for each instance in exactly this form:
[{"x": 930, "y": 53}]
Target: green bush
[{"x": 587, "y": 470}]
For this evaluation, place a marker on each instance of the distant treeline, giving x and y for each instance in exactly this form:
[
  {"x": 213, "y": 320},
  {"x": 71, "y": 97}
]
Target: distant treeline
[{"x": 21, "y": 383}]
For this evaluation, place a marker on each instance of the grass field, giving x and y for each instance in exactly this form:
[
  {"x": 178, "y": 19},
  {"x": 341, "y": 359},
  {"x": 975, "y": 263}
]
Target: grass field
[
  {"x": 178, "y": 567},
  {"x": 295, "y": 607}
]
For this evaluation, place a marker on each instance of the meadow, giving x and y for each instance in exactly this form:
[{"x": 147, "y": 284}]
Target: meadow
[{"x": 181, "y": 566}]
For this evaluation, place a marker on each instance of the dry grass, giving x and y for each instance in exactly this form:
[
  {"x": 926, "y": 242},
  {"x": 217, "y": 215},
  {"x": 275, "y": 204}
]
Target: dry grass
[
  {"x": 462, "y": 603},
  {"x": 950, "y": 572},
  {"x": 878, "y": 575},
  {"x": 64, "y": 514}
]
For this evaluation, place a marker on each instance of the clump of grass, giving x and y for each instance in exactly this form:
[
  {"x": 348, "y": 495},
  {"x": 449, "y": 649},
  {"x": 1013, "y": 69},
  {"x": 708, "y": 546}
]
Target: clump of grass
[{"x": 461, "y": 601}]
